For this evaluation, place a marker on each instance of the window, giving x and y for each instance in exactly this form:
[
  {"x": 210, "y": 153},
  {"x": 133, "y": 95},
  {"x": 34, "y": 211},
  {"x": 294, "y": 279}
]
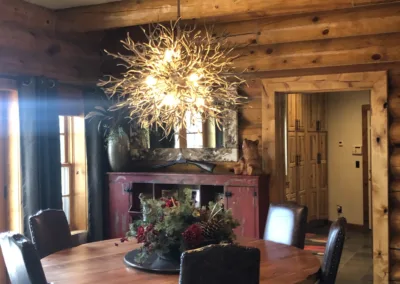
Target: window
[
  {"x": 194, "y": 130},
  {"x": 192, "y": 135},
  {"x": 73, "y": 170},
  {"x": 66, "y": 164}
]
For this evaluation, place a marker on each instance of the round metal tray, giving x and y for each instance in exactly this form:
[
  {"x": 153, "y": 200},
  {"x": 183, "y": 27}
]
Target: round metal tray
[{"x": 152, "y": 264}]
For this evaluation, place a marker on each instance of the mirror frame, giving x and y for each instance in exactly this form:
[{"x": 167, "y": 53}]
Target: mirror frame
[{"x": 228, "y": 153}]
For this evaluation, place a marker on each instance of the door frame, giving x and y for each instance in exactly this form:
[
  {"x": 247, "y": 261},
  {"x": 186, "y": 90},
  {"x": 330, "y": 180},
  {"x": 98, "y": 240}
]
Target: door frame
[
  {"x": 365, "y": 164},
  {"x": 272, "y": 144}
]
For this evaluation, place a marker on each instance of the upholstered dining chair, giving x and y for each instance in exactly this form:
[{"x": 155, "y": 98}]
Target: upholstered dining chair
[
  {"x": 21, "y": 259},
  {"x": 216, "y": 264},
  {"x": 286, "y": 224},
  {"x": 333, "y": 252},
  {"x": 50, "y": 231}
]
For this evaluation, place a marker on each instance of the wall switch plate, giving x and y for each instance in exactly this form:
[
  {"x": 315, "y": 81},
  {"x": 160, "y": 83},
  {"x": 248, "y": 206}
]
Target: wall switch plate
[{"x": 357, "y": 150}]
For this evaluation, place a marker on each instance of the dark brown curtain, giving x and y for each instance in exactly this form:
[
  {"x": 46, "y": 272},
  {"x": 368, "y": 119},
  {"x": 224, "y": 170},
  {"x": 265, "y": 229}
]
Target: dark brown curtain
[
  {"x": 97, "y": 166},
  {"x": 40, "y": 146}
]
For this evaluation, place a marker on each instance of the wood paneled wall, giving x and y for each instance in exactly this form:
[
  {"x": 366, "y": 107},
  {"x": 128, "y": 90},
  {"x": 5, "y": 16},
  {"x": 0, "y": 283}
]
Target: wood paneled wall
[{"x": 30, "y": 46}]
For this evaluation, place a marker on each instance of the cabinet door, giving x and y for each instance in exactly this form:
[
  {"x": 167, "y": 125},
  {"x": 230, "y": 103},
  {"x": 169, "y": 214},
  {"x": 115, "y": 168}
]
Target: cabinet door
[
  {"x": 301, "y": 185},
  {"x": 291, "y": 179},
  {"x": 243, "y": 204},
  {"x": 301, "y": 102},
  {"x": 119, "y": 204},
  {"x": 322, "y": 112},
  {"x": 312, "y": 111},
  {"x": 291, "y": 112},
  {"x": 323, "y": 177},
  {"x": 312, "y": 175}
]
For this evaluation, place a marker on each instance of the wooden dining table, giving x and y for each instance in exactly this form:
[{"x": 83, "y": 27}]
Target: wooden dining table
[{"x": 103, "y": 262}]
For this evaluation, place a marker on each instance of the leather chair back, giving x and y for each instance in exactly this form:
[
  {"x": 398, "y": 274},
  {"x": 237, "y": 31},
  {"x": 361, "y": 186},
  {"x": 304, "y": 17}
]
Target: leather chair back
[
  {"x": 21, "y": 259},
  {"x": 333, "y": 251},
  {"x": 216, "y": 264},
  {"x": 286, "y": 224},
  {"x": 50, "y": 231}
]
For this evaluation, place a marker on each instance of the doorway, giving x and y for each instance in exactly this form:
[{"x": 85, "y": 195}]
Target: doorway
[
  {"x": 274, "y": 155},
  {"x": 326, "y": 147}
]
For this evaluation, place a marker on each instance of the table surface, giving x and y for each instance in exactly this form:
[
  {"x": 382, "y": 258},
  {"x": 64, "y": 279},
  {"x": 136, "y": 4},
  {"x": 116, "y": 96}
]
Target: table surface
[{"x": 102, "y": 262}]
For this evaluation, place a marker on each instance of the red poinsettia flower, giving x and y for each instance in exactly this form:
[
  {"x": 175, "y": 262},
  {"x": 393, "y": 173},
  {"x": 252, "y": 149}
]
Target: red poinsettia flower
[
  {"x": 140, "y": 234},
  {"x": 193, "y": 235},
  {"x": 169, "y": 203}
]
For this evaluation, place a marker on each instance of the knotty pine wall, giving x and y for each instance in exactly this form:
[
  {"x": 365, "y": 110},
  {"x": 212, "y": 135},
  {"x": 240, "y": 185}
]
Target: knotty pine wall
[{"x": 29, "y": 45}]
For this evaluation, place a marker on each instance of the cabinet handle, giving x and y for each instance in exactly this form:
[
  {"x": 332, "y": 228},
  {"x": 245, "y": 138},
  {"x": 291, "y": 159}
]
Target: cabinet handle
[
  {"x": 318, "y": 125},
  {"x": 297, "y": 124},
  {"x": 297, "y": 160},
  {"x": 319, "y": 158},
  {"x": 128, "y": 188},
  {"x": 228, "y": 194}
]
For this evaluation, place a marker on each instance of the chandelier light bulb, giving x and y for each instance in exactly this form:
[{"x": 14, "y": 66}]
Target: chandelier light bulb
[
  {"x": 170, "y": 100},
  {"x": 194, "y": 77},
  {"x": 200, "y": 102},
  {"x": 151, "y": 81}
]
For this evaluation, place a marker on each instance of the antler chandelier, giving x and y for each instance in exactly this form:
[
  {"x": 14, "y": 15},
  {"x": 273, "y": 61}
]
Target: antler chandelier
[{"x": 175, "y": 73}]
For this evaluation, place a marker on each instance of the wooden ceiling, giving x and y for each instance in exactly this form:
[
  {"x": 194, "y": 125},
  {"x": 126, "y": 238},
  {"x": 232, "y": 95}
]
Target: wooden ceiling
[
  {"x": 133, "y": 12},
  {"x": 63, "y": 4}
]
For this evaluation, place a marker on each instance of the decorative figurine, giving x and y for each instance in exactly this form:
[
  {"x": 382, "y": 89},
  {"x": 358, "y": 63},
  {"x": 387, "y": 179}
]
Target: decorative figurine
[{"x": 250, "y": 163}]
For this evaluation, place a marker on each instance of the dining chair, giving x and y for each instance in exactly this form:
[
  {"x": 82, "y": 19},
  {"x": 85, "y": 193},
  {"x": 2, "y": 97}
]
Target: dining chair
[
  {"x": 50, "y": 231},
  {"x": 21, "y": 259},
  {"x": 216, "y": 264},
  {"x": 286, "y": 224},
  {"x": 333, "y": 251}
]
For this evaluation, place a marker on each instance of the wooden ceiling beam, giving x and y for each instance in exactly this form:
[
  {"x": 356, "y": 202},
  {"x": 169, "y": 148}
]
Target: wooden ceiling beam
[{"x": 134, "y": 12}]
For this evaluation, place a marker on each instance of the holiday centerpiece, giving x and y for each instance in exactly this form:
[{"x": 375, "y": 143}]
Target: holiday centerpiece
[{"x": 172, "y": 225}]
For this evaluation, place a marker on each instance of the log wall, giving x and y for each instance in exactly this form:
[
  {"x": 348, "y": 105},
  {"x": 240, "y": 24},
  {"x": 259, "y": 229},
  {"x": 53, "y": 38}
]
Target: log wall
[{"x": 29, "y": 45}]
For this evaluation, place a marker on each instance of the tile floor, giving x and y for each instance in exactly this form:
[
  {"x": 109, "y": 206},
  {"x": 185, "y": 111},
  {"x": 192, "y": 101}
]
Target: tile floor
[{"x": 356, "y": 262}]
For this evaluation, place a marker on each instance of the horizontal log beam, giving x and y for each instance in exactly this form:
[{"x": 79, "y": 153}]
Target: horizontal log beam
[
  {"x": 29, "y": 15},
  {"x": 322, "y": 25},
  {"x": 322, "y": 53},
  {"x": 394, "y": 165},
  {"x": 68, "y": 70},
  {"x": 132, "y": 12}
]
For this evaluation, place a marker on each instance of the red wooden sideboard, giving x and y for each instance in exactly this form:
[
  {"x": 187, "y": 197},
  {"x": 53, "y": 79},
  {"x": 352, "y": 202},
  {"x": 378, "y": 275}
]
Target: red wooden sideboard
[{"x": 246, "y": 196}]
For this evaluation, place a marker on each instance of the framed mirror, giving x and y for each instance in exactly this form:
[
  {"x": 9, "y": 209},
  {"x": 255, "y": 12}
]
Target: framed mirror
[{"x": 200, "y": 141}]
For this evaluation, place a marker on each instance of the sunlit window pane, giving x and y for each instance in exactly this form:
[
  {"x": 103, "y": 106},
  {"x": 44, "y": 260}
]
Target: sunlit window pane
[
  {"x": 65, "y": 201},
  {"x": 194, "y": 123},
  {"x": 61, "y": 120},
  {"x": 62, "y": 149},
  {"x": 65, "y": 180},
  {"x": 194, "y": 140}
]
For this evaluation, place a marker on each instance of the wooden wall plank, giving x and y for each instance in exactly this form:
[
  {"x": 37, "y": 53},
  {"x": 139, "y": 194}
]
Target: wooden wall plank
[
  {"x": 131, "y": 13},
  {"x": 321, "y": 53},
  {"x": 374, "y": 20}
]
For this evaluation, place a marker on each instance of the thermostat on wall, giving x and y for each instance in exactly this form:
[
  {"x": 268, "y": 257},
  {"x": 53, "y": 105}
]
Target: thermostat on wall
[{"x": 357, "y": 150}]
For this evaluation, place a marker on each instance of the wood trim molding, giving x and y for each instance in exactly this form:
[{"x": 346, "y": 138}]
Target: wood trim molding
[
  {"x": 365, "y": 166},
  {"x": 376, "y": 83}
]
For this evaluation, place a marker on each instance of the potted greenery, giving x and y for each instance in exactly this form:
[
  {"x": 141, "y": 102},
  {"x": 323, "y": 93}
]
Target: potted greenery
[
  {"x": 115, "y": 126},
  {"x": 172, "y": 225}
]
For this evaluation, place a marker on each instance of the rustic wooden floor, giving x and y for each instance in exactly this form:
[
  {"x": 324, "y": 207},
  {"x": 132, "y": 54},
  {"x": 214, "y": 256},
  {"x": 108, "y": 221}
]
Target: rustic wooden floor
[{"x": 356, "y": 262}]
